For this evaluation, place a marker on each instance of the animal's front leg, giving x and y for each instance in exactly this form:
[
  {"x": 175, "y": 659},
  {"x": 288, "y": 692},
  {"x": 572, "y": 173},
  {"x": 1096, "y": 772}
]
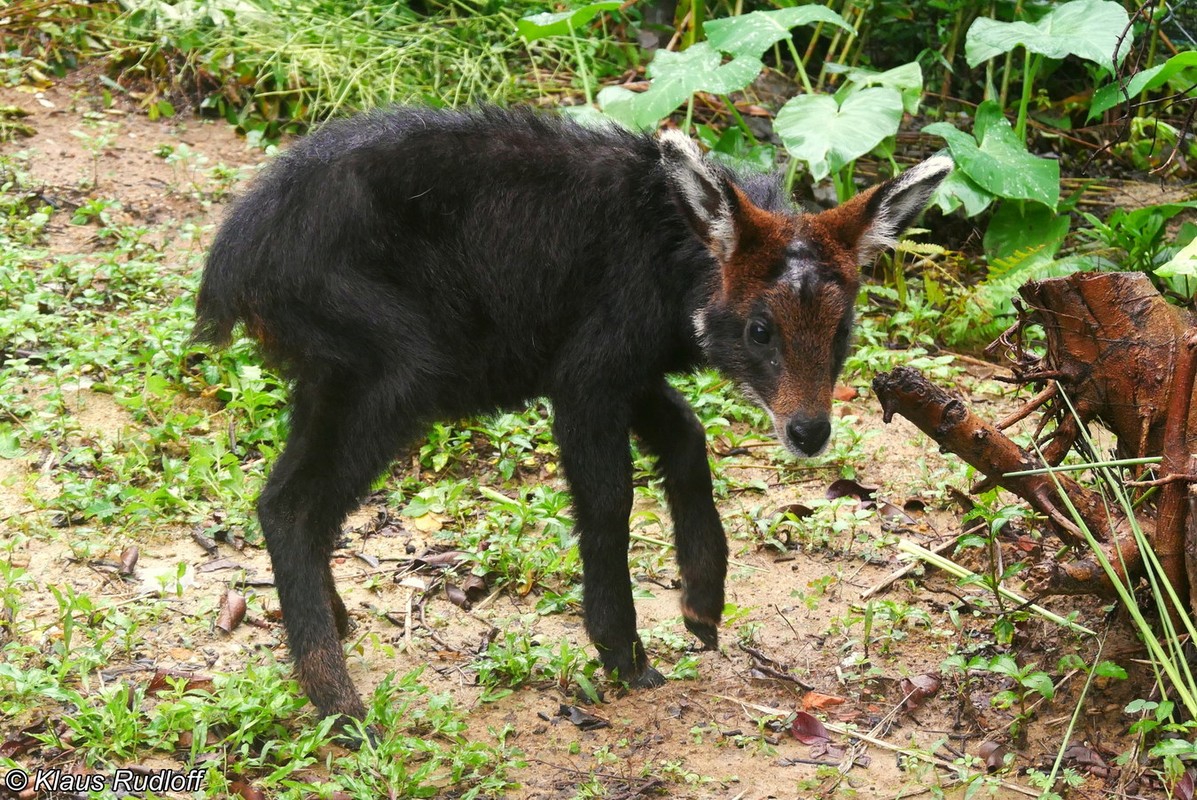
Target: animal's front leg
[
  {"x": 598, "y": 465},
  {"x": 666, "y": 424}
]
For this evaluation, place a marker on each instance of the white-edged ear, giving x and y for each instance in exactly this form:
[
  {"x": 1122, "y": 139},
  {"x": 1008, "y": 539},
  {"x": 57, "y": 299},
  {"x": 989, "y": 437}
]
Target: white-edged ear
[
  {"x": 702, "y": 193},
  {"x": 894, "y": 205}
]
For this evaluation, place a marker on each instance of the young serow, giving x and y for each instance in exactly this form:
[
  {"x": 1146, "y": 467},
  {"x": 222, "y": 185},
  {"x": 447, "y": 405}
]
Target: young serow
[{"x": 408, "y": 266}]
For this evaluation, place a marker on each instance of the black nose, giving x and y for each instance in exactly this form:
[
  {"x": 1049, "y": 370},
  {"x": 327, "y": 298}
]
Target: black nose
[{"x": 808, "y": 434}]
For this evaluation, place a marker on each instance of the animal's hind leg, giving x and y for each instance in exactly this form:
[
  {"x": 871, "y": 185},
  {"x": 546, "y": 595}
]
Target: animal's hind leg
[
  {"x": 343, "y": 435},
  {"x": 667, "y": 425},
  {"x": 340, "y": 614}
]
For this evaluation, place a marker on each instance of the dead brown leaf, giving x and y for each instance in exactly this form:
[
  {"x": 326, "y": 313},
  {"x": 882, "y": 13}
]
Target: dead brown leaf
[
  {"x": 844, "y": 393},
  {"x": 163, "y": 679},
  {"x": 232, "y": 611},
  {"x": 993, "y": 754},
  {"x": 582, "y": 719},
  {"x": 918, "y": 689},
  {"x": 796, "y": 510},
  {"x": 845, "y": 487},
  {"x": 245, "y": 791},
  {"x": 456, "y": 596},
  {"x": 816, "y": 701},
  {"x": 474, "y": 587},
  {"x": 808, "y": 729},
  {"x": 449, "y": 558},
  {"x": 129, "y": 558},
  {"x": 1183, "y": 790}
]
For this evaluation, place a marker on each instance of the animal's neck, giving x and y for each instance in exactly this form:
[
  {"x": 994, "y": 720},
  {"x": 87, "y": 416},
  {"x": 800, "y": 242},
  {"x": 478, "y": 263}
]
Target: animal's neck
[{"x": 703, "y": 295}]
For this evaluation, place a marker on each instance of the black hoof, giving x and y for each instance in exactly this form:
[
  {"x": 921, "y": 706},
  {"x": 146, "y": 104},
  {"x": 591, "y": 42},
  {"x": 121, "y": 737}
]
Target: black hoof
[
  {"x": 648, "y": 679},
  {"x": 707, "y": 633},
  {"x": 352, "y": 734}
]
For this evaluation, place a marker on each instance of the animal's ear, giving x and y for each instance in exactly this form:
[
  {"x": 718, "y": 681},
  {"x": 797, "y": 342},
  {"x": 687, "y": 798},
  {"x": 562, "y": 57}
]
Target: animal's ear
[
  {"x": 701, "y": 192},
  {"x": 872, "y": 221}
]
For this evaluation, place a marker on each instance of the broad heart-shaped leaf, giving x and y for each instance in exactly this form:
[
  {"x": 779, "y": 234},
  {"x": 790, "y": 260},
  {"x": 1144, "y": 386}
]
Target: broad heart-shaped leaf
[
  {"x": 1088, "y": 29},
  {"x": 1019, "y": 226},
  {"x": 958, "y": 190},
  {"x": 701, "y": 67},
  {"x": 907, "y": 79},
  {"x": 1183, "y": 264},
  {"x": 676, "y": 76},
  {"x": 586, "y": 115},
  {"x": 539, "y": 26},
  {"x": 1001, "y": 164},
  {"x": 1111, "y": 94},
  {"x": 814, "y": 130},
  {"x": 753, "y": 33}
]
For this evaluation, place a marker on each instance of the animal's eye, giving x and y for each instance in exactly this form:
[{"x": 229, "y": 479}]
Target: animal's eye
[{"x": 758, "y": 332}]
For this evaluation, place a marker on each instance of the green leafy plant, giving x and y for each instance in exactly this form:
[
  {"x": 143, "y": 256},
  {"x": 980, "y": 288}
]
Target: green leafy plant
[
  {"x": 992, "y": 163},
  {"x": 1171, "y": 667},
  {"x": 848, "y": 128},
  {"x": 700, "y": 68},
  {"x": 1113, "y": 93},
  {"x": 279, "y": 66},
  {"x": 753, "y": 33},
  {"x": 566, "y": 23},
  {"x": 675, "y": 77},
  {"x": 1094, "y": 30}
]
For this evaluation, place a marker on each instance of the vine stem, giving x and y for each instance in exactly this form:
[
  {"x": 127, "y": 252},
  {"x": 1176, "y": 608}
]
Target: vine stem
[
  {"x": 573, "y": 37},
  {"x": 1030, "y": 67}
]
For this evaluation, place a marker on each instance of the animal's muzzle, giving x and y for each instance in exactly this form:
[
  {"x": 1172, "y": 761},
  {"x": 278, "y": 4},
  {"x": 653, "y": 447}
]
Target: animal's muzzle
[{"x": 808, "y": 435}]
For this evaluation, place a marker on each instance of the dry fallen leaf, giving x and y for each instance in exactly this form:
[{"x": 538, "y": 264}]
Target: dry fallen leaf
[
  {"x": 808, "y": 730},
  {"x": 474, "y": 587},
  {"x": 844, "y": 393},
  {"x": 850, "y": 488},
  {"x": 1183, "y": 790},
  {"x": 582, "y": 719},
  {"x": 892, "y": 513},
  {"x": 815, "y": 701},
  {"x": 216, "y": 565},
  {"x": 449, "y": 558},
  {"x": 798, "y": 510},
  {"x": 993, "y": 754},
  {"x": 428, "y": 523},
  {"x": 245, "y": 791},
  {"x": 232, "y": 611},
  {"x": 918, "y": 688},
  {"x": 413, "y": 582},
  {"x": 1087, "y": 759},
  {"x": 456, "y": 596},
  {"x": 129, "y": 558}
]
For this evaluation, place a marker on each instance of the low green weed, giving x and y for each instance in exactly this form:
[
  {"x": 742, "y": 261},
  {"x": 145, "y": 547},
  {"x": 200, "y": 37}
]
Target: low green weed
[{"x": 516, "y": 660}]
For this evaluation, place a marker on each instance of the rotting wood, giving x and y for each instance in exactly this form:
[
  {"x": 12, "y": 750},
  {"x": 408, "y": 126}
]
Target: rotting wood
[
  {"x": 1117, "y": 353},
  {"x": 1169, "y": 542},
  {"x": 946, "y": 419},
  {"x": 1112, "y": 344}
]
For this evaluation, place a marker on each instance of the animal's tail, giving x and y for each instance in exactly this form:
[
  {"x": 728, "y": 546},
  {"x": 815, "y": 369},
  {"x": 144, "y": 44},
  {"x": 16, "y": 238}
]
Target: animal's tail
[{"x": 226, "y": 289}]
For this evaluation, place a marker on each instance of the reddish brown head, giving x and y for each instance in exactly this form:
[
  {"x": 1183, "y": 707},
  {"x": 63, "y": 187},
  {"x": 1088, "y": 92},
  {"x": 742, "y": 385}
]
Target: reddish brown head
[{"x": 779, "y": 317}]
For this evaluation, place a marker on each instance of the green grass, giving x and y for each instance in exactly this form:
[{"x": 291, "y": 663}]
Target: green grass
[{"x": 267, "y": 66}]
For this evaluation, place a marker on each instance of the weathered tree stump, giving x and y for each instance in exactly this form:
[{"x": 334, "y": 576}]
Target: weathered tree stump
[
  {"x": 1112, "y": 344},
  {"x": 1117, "y": 353}
]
